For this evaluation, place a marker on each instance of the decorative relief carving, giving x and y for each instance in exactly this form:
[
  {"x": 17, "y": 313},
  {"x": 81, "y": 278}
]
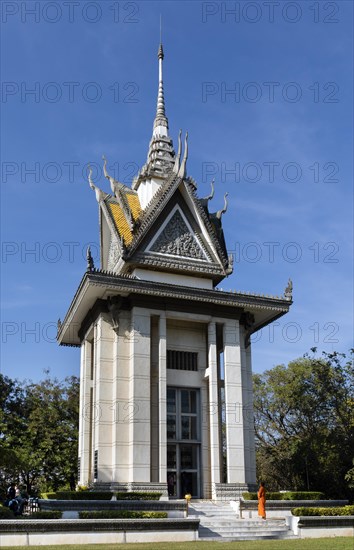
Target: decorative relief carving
[
  {"x": 114, "y": 305},
  {"x": 113, "y": 255},
  {"x": 176, "y": 239}
]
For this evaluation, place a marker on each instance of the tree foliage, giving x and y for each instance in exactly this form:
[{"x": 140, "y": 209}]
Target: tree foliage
[
  {"x": 304, "y": 422},
  {"x": 38, "y": 432}
]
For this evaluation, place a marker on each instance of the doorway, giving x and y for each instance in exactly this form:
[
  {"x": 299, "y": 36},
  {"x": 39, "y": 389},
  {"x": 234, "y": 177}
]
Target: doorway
[{"x": 183, "y": 442}]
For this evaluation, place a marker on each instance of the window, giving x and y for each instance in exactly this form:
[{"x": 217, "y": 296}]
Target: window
[
  {"x": 95, "y": 467},
  {"x": 182, "y": 360}
]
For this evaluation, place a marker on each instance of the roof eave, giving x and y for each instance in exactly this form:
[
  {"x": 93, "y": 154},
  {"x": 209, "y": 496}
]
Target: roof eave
[{"x": 95, "y": 284}]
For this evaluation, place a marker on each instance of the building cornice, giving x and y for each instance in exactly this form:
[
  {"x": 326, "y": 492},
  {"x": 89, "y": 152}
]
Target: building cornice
[{"x": 113, "y": 284}]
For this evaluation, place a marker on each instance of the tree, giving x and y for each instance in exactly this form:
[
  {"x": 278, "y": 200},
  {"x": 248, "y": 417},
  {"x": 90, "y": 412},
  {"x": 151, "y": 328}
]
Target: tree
[
  {"x": 304, "y": 423},
  {"x": 349, "y": 477},
  {"x": 38, "y": 432}
]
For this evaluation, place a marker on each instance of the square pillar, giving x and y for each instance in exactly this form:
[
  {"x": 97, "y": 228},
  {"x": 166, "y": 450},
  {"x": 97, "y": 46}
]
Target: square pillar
[
  {"x": 249, "y": 419},
  {"x": 162, "y": 400},
  {"x": 233, "y": 403},
  {"x": 122, "y": 407},
  {"x": 85, "y": 418},
  {"x": 213, "y": 408},
  {"x": 103, "y": 405},
  {"x": 139, "y": 397}
]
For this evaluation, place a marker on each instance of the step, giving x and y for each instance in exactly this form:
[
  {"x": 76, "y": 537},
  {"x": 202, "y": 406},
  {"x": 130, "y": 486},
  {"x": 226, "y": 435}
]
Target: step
[
  {"x": 244, "y": 538},
  {"x": 221, "y": 528},
  {"x": 219, "y": 522}
]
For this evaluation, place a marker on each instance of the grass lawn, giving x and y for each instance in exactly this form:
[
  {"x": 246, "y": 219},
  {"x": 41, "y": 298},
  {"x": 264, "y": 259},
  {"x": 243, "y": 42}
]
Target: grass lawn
[{"x": 335, "y": 543}]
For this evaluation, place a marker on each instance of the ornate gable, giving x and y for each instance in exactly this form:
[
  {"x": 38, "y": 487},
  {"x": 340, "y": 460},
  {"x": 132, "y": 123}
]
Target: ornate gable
[{"x": 177, "y": 238}]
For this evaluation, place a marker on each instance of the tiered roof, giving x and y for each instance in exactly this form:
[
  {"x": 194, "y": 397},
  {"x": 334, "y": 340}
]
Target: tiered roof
[
  {"x": 160, "y": 224},
  {"x": 196, "y": 238}
]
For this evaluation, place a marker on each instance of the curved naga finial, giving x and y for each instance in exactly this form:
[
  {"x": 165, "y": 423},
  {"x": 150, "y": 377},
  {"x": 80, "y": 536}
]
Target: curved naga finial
[
  {"x": 178, "y": 157},
  {"x": 288, "y": 293},
  {"x": 112, "y": 181},
  {"x": 92, "y": 185},
  {"x": 90, "y": 263},
  {"x": 221, "y": 212},
  {"x": 182, "y": 169},
  {"x": 99, "y": 194},
  {"x": 209, "y": 197}
]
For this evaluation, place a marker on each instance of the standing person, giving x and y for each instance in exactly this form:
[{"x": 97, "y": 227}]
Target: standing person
[
  {"x": 11, "y": 501},
  {"x": 21, "y": 501},
  {"x": 261, "y": 501},
  {"x": 11, "y": 492}
]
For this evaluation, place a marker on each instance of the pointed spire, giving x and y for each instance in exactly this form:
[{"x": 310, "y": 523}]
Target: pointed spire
[
  {"x": 161, "y": 158},
  {"x": 160, "y": 122}
]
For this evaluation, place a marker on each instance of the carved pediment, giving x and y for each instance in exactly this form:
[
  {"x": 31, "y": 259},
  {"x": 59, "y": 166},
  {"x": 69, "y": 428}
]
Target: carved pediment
[{"x": 177, "y": 239}]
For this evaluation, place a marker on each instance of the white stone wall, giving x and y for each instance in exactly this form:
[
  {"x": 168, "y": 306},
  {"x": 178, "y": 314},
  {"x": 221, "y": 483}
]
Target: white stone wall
[{"x": 129, "y": 397}]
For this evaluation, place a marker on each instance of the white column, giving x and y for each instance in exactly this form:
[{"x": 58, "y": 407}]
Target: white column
[
  {"x": 251, "y": 466},
  {"x": 115, "y": 409},
  {"x": 233, "y": 403},
  {"x": 122, "y": 406},
  {"x": 139, "y": 420},
  {"x": 103, "y": 398},
  {"x": 85, "y": 413},
  {"x": 213, "y": 407},
  {"x": 162, "y": 401}
]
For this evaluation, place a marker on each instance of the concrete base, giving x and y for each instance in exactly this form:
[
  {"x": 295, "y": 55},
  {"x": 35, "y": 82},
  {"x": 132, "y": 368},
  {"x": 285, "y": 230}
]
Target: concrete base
[
  {"x": 44, "y": 539},
  {"x": 310, "y": 527},
  {"x": 71, "y": 531}
]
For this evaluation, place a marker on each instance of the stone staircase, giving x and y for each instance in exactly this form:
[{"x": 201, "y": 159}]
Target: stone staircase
[{"x": 218, "y": 521}]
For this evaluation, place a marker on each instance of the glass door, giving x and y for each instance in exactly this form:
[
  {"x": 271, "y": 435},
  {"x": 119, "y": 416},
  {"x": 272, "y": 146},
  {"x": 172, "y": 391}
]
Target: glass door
[{"x": 183, "y": 442}]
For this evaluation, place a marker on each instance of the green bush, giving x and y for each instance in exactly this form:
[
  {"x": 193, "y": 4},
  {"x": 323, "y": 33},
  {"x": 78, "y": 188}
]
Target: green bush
[
  {"x": 78, "y": 495},
  {"x": 269, "y": 496},
  {"x": 6, "y": 513},
  {"x": 303, "y": 495},
  {"x": 287, "y": 495},
  {"x": 249, "y": 496},
  {"x": 138, "y": 496},
  {"x": 122, "y": 514},
  {"x": 334, "y": 511}
]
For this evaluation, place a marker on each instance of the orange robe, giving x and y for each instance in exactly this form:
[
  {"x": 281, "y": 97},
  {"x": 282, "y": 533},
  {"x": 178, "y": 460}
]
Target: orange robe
[{"x": 261, "y": 502}]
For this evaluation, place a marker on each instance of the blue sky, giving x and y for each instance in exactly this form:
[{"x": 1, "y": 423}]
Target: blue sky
[{"x": 265, "y": 92}]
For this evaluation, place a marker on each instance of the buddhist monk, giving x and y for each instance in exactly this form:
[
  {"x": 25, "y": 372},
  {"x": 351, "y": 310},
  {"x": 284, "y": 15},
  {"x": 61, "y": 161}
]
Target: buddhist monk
[{"x": 261, "y": 501}]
